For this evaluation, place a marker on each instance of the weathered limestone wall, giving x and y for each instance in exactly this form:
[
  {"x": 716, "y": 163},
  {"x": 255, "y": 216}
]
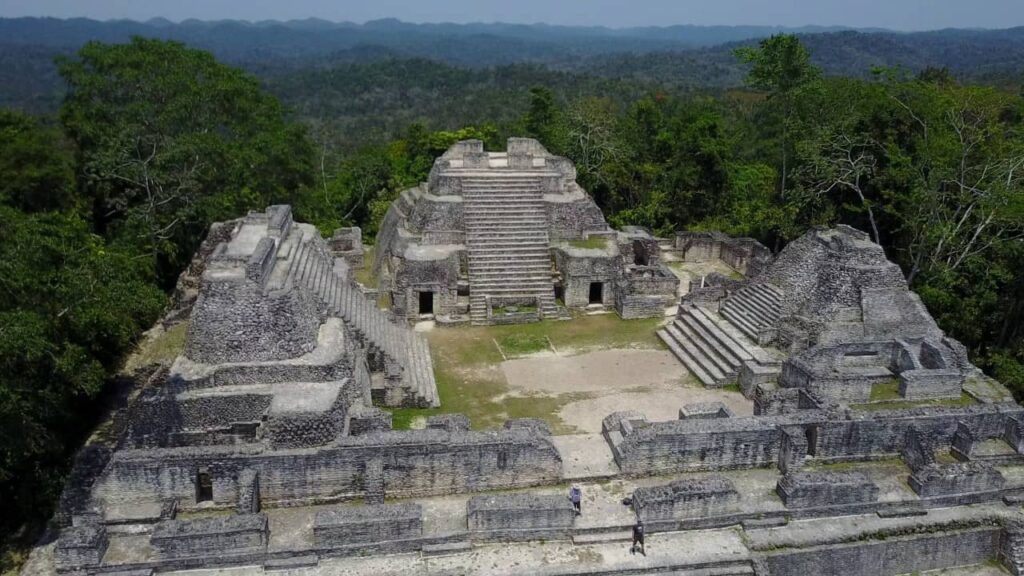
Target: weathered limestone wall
[
  {"x": 569, "y": 220},
  {"x": 217, "y": 536},
  {"x": 745, "y": 255},
  {"x": 520, "y": 516},
  {"x": 891, "y": 555},
  {"x": 415, "y": 463},
  {"x": 80, "y": 547},
  {"x": 685, "y": 499},
  {"x": 236, "y": 322},
  {"x": 727, "y": 443},
  {"x": 821, "y": 489},
  {"x": 362, "y": 524}
]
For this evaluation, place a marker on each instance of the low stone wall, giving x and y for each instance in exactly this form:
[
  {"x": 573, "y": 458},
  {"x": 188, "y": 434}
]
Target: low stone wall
[
  {"x": 415, "y": 463},
  {"x": 931, "y": 384},
  {"x": 520, "y": 516},
  {"x": 729, "y": 443},
  {"x": 363, "y": 524},
  {"x": 891, "y": 555},
  {"x": 685, "y": 499},
  {"x": 217, "y": 536},
  {"x": 80, "y": 547},
  {"x": 820, "y": 489},
  {"x": 959, "y": 478}
]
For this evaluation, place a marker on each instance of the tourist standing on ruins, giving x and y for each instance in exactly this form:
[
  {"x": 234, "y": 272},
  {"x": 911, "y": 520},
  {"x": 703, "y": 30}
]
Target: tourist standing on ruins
[
  {"x": 638, "y": 538},
  {"x": 575, "y": 495}
]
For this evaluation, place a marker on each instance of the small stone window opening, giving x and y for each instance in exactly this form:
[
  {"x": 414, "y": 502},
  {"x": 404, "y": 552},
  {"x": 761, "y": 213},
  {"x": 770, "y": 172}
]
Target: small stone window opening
[
  {"x": 597, "y": 292},
  {"x": 204, "y": 486},
  {"x": 426, "y": 302},
  {"x": 502, "y": 459}
]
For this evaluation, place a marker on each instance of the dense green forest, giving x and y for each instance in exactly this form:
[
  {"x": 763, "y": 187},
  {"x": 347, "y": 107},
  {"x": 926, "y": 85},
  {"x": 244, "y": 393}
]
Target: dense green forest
[{"x": 104, "y": 200}]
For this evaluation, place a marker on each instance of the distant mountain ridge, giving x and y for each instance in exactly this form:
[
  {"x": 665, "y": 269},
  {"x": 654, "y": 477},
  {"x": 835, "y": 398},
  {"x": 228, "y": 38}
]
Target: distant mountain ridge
[{"x": 682, "y": 57}]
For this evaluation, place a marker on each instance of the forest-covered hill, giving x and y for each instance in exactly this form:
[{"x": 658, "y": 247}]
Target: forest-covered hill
[{"x": 674, "y": 57}]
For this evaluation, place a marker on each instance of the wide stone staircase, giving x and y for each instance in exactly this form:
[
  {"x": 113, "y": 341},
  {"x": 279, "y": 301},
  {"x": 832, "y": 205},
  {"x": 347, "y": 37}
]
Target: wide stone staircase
[
  {"x": 507, "y": 242},
  {"x": 310, "y": 265},
  {"x": 753, "y": 308},
  {"x": 712, "y": 349}
]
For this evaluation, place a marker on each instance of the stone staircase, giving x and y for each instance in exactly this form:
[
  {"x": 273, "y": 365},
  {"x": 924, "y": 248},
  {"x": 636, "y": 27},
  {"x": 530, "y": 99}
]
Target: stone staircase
[
  {"x": 507, "y": 242},
  {"x": 310, "y": 265},
  {"x": 709, "y": 347},
  {"x": 753, "y": 308}
]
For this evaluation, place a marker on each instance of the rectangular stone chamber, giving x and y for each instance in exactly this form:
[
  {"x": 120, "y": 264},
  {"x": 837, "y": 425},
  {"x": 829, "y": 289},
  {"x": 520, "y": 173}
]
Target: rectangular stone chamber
[{"x": 367, "y": 524}]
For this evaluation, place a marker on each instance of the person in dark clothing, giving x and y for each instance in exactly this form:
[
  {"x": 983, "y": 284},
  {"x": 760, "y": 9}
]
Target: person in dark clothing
[
  {"x": 638, "y": 538},
  {"x": 575, "y": 495}
]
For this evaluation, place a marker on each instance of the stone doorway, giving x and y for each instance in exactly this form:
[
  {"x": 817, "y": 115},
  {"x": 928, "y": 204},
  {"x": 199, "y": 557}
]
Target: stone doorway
[
  {"x": 426, "y": 302},
  {"x": 596, "y": 293},
  {"x": 204, "y": 487}
]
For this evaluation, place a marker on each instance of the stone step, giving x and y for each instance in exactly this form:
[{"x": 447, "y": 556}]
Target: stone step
[
  {"x": 304, "y": 561},
  {"x": 691, "y": 364},
  {"x": 753, "y": 303},
  {"x": 446, "y": 548},
  {"x": 765, "y": 295},
  {"x": 737, "y": 348},
  {"x": 763, "y": 523},
  {"x": 709, "y": 366},
  {"x": 602, "y": 537},
  {"x": 740, "y": 322},
  {"x": 719, "y": 356},
  {"x": 756, "y": 317}
]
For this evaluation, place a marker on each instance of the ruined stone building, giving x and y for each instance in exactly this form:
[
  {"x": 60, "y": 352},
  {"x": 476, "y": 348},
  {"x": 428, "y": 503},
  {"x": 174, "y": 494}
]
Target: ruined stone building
[
  {"x": 506, "y": 237},
  {"x": 266, "y": 447}
]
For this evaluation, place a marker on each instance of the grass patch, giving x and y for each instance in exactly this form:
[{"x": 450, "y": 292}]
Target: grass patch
[
  {"x": 162, "y": 349},
  {"x": 885, "y": 391},
  {"x": 365, "y": 275},
  {"x": 964, "y": 400},
  {"x": 515, "y": 345},
  {"x": 590, "y": 243},
  {"x": 469, "y": 376},
  {"x": 734, "y": 387}
]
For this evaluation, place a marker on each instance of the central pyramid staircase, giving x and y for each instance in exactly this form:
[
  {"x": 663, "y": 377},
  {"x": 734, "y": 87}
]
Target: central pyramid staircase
[
  {"x": 507, "y": 242},
  {"x": 310, "y": 265},
  {"x": 710, "y": 347},
  {"x": 753, "y": 308}
]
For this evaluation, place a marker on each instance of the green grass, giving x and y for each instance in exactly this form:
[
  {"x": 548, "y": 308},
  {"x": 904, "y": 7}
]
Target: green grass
[
  {"x": 365, "y": 275},
  {"x": 963, "y": 400},
  {"x": 467, "y": 366},
  {"x": 885, "y": 391},
  {"x": 516, "y": 345},
  {"x": 160, "y": 350},
  {"x": 590, "y": 243}
]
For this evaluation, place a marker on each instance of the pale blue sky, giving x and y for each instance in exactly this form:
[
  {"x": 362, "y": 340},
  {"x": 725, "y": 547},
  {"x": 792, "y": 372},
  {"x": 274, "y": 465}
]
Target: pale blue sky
[{"x": 897, "y": 14}]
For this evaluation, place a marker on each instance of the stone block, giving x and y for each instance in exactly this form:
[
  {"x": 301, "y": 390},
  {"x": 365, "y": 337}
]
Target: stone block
[
  {"x": 955, "y": 479},
  {"x": 684, "y": 499},
  {"x": 367, "y": 524},
  {"x": 705, "y": 410},
  {"x": 80, "y": 547},
  {"x": 208, "y": 537},
  {"x": 822, "y": 489},
  {"x": 514, "y": 516},
  {"x": 931, "y": 384}
]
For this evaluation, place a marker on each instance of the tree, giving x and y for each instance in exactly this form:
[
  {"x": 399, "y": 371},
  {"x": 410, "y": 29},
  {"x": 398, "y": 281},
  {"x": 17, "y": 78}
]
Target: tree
[
  {"x": 36, "y": 165},
  {"x": 781, "y": 66},
  {"x": 169, "y": 139}
]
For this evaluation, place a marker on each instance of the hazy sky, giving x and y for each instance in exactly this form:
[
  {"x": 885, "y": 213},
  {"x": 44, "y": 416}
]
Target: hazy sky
[{"x": 899, "y": 14}]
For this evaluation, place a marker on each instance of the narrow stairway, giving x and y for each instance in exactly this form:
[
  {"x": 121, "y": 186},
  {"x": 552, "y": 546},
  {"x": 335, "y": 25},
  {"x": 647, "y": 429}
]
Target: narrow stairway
[
  {"x": 753, "y": 308},
  {"x": 507, "y": 242}
]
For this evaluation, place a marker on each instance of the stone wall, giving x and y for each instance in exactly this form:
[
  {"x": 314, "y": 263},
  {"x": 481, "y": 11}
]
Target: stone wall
[
  {"x": 80, "y": 547},
  {"x": 236, "y": 322},
  {"x": 684, "y": 499},
  {"x": 520, "y": 516},
  {"x": 217, "y": 536},
  {"x": 415, "y": 463},
  {"x": 367, "y": 524},
  {"x": 890, "y": 556},
  {"x": 821, "y": 489},
  {"x": 642, "y": 447}
]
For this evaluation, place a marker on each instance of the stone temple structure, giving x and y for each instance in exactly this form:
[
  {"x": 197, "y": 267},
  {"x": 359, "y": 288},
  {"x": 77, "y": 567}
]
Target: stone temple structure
[
  {"x": 867, "y": 443},
  {"x": 507, "y": 237}
]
